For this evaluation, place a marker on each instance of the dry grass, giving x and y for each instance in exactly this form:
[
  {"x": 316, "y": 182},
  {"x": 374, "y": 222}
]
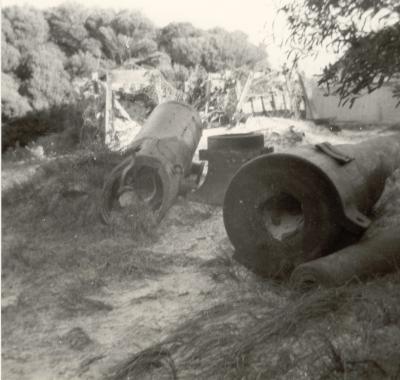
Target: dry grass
[
  {"x": 332, "y": 334},
  {"x": 267, "y": 331},
  {"x": 223, "y": 267},
  {"x": 152, "y": 363},
  {"x": 73, "y": 303},
  {"x": 309, "y": 337},
  {"x": 51, "y": 228},
  {"x": 65, "y": 195},
  {"x": 66, "y": 259},
  {"x": 60, "y": 258}
]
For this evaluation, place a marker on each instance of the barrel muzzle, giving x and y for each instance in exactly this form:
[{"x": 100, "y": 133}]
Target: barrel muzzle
[
  {"x": 157, "y": 161},
  {"x": 287, "y": 208}
]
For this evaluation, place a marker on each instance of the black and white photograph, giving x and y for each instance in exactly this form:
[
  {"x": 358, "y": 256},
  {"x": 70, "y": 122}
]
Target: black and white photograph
[{"x": 204, "y": 190}]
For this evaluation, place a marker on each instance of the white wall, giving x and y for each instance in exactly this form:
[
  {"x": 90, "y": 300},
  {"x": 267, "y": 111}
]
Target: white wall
[{"x": 377, "y": 107}]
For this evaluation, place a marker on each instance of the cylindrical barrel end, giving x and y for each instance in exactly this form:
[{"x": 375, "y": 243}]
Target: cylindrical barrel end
[
  {"x": 280, "y": 210},
  {"x": 368, "y": 258},
  {"x": 158, "y": 159}
]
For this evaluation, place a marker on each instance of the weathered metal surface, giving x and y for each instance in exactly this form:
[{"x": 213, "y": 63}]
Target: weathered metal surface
[
  {"x": 283, "y": 209},
  {"x": 225, "y": 155},
  {"x": 157, "y": 160},
  {"x": 375, "y": 256}
]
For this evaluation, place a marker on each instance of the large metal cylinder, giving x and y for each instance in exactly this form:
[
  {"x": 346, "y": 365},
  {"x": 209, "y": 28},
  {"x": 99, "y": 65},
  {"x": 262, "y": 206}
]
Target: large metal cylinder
[
  {"x": 287, "y": 208},
  {"x": 225, "y": 155},
  {"x": 158, "y": 159},
  {"x": 375, "y": 256}
]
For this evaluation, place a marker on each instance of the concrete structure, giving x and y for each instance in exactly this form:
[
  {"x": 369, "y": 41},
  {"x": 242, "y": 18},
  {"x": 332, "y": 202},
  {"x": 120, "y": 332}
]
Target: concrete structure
[{"x": 379, "y": 107}]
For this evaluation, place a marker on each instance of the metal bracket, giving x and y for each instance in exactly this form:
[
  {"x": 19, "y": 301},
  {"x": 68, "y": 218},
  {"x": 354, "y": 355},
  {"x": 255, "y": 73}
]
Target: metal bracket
[
  {"x": 333, "y": 152},
  {"x": 356, "y": 221}
]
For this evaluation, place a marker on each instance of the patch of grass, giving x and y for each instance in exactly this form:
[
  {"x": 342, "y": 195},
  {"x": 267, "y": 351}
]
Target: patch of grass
[
  {"x": 13, "y": 248},
  {"x": 156, "y": 361},
  {"x": 223, "y": 267},
  {"x": 16, "y": 155},
  {"x": 65, "y": 195},
  {"x": 51, "y": 224},
  {"x": 73, "y": 304},
  {"x": 120, "y": 259},
  {"x": 76, "y": 339},
  {"x": 312, "y": 336}
]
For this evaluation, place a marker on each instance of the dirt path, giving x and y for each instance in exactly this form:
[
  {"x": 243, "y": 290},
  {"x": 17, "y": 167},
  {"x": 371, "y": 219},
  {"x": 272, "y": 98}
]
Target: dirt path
[{"x": 49, "y": 333}]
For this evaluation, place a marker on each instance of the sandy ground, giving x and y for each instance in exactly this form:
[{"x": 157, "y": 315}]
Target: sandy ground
[
  {"x": 69, "y": 311},
  {"x": 282, "y": 133},
  {"x": 17, "y": 174},
  {"x": 39, "y": 341}
]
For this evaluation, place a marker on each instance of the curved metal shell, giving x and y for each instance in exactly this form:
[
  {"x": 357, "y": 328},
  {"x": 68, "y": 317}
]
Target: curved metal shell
[
  {"x": 158, "y": 159},
  {"x": 287, "y": 208}
]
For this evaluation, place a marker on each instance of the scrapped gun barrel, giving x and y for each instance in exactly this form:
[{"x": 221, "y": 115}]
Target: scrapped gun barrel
[
  {"x": 225, "y": 155},
  {"x": 157, "y": 160},
  {"x": 283, "y": 209},
  {"x": 375, "y": 256}
]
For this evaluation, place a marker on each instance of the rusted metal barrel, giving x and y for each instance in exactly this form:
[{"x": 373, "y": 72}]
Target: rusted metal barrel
[
  {"x": 287, "y": 208},
  {"x": 157, "y": 160},
  {"x": 225, "y": 155},
  {"x": 375, "y": 256}
]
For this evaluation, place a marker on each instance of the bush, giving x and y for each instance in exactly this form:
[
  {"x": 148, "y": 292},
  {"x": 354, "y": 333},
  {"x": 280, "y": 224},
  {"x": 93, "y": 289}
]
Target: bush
[
  {"x": 12, "y": 103},
  {"x": 47, "y": 84},
  {"x": 66, "y": 118}
]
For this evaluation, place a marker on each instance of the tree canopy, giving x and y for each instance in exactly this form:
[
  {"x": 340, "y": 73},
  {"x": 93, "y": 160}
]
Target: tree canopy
[
  {"x": 365, "y": 34},
  {"x": 214, "y": 49},
  {"x": 43, "y": 51}
]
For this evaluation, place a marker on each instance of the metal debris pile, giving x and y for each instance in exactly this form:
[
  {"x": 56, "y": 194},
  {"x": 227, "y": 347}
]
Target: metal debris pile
[
  {"x": 281, "y": 210},
  {"x": 157, "y": 162},
  {"x": 285, "y": 209}
]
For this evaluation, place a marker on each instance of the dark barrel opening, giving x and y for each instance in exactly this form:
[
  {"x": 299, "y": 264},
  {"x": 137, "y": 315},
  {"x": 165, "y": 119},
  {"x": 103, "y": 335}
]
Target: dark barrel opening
[
  {"x": 146, "y": 185},
  {"x": 282, "y": 216}
]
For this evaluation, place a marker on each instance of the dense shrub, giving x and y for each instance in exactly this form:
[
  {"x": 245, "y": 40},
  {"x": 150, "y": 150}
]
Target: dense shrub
[
  {"x": 43, "y": 52},
  {"x": 13, "y": 104},
  {"x": 47, "y": 83},
  {"x": 66, "y": 117}
]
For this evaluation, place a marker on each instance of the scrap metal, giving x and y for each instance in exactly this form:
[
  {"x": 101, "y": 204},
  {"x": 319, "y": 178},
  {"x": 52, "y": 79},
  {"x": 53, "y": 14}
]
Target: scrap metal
[
  {"x": 225, "y": 155},
  {"x": 283, "y": 209},
  {"x": 157, "y": 161},
  {"x": 375, "y": 256}
]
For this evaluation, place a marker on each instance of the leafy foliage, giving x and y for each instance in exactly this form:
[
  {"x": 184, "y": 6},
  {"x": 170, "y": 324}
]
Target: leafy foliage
[
  {"x": 376, "y": 58},
  {"x": 82, "y": 64},
  {"x": 47, "y": 83},
  {"x": 215, "y": 49},
  {"x": 43, "y": 52},
  {"x": 67, "y": 27},
  {"x": 232, "y": 50},
  {"x": 24, "y": 27},
  {"x": 365, "y": 32},
  {"x": 133, "y": 24},
  {"x": 13, "y": 104},
  {"x": 10, "y": 57}
]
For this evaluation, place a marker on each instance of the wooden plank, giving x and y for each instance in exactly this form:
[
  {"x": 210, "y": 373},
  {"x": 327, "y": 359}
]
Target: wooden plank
[{"x": 108, "y": 125}]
